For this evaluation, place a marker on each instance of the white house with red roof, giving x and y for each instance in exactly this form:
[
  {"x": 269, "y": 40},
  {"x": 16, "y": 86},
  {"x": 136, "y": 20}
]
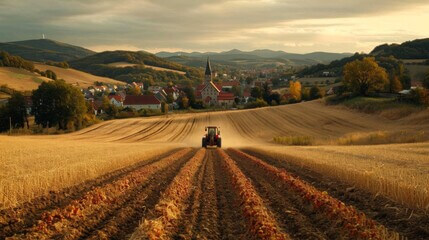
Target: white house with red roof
[
  {"x": 211, "y": 94},
  {"x": 116, "y": 100},
  {"x": 142, "y": 102}
]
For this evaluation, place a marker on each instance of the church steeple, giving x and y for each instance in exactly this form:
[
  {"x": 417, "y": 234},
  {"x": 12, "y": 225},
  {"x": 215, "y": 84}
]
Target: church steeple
[
  {"x": 208, "y": 74},
  {"x": 208, "y": 67}
]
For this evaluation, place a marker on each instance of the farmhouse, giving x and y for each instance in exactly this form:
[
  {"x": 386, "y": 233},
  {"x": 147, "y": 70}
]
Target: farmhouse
[
  {"x": 142, "y": 102},
  {"x": 116, "y": 100}
]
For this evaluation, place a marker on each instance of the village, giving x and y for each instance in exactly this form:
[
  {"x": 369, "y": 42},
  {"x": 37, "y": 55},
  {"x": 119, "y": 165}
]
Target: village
[{"x": 228, "y": 94}]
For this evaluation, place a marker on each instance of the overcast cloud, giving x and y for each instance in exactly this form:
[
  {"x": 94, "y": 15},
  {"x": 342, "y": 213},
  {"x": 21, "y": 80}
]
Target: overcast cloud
[{"x": 217, "y": 25}]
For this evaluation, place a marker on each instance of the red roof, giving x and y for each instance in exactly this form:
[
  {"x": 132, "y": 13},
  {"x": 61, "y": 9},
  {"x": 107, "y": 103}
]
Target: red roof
[
  {"x": 225, "y": 96},
  {"x": 141, "y": 100},
  {"x": 117, "y": 97}
]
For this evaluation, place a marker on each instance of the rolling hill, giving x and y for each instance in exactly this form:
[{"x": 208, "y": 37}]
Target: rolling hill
[
  {"x": 251, "y": 59},
  {"x": 23, "y": 80},
  {"x": 73, "y": 76},
  {"x": 139, "y": 66},
  {"x": 20, "y": 79},
  {"x": 42, "y": 50},
  {"x": 416, "y": 49}
]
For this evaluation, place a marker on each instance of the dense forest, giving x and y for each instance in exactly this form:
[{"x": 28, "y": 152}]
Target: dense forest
[
  {"x": 417, "y": 49},
  {"x": 7, "y": 60}
]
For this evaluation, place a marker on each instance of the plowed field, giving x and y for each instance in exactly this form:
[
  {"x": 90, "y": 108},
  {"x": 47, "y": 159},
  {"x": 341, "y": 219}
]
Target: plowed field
[{"x": 149, "y": 179}]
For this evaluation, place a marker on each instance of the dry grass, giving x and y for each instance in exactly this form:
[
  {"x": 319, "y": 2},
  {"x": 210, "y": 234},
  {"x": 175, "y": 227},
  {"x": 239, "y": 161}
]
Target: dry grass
[
  {"x": 294, "y": 140},
  {"x": 73, "y": 76},
  {"x": 30, "y": 167},
  {"x": 383, "y": 137},
  {"x": 398, "y": 171},
  {"x": 20, "y": 79}
]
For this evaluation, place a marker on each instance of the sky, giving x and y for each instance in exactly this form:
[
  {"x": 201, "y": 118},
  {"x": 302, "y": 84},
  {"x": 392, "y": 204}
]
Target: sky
[{"x": 298, "y": 26}]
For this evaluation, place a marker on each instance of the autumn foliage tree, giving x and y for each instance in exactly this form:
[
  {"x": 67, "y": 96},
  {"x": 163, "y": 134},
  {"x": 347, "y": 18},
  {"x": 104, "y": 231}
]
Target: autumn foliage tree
[
  {"x": 295, "y": 90},
  {"x": 364, "y": 76},
  {"x": 395, "y": 84}
]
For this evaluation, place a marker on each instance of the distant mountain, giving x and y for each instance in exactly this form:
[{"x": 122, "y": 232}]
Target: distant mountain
[
  {"x": 416, "y": 49},
  {"x": 42, "y": 50},
  {"x": 140, "y": 67},
  {"x": 263, "y": 57}
]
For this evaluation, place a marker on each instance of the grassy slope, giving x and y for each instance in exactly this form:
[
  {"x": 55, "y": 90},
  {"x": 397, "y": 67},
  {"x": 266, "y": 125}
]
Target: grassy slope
[
  {"x": 417, "y": 72},
  {"x": 45, "y": 50},
  {"x": 74, "y": 76},
  {"x": 20, "y": 79}
]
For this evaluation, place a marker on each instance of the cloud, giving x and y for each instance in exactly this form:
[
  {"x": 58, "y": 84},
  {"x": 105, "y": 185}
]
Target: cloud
[{"x": 292, "y": 25}]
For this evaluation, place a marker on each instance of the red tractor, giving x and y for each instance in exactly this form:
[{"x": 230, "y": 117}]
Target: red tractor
[{"x": 212, "y": 137}]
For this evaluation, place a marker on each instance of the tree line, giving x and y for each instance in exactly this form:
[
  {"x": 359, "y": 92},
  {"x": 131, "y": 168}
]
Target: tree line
[{"x": 54, "y": 104}]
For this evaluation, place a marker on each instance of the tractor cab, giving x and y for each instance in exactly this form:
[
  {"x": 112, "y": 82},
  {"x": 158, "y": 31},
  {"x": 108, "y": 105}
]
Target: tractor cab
[{"x": 212, "y": 137}]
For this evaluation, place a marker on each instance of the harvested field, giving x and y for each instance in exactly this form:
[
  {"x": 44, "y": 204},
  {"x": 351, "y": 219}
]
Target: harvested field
[
  {"x": 76, "y": 77},
  {"x": 213, "y": 194},
  {"x": 20, "y": 79},
  {"x": 138, "y": 178}
]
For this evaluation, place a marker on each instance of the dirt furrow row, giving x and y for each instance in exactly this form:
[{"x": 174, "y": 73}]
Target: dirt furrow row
[
  {"x": 163, "y": 220},
  {"x": 231, "y": 221},
  {"x": 412, "y": 224},
  {"x": 260, "y": 222},
  {"x": 23, "y": 217},
  {"x": 287, "y": 210},
  {"x": 83, "y": 215},
  {"x": 336, "y": 219},
  {"x": 190, "y": 215},
  {"x": 122, "y": 220}
]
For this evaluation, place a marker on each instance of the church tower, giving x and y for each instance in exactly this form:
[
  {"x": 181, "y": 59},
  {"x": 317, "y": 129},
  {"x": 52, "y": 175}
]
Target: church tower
[{"x": 208, "y": 74}]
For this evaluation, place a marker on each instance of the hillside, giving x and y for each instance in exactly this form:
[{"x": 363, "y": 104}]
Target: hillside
[
  {"x": 250, "y": 59},
  {"x": 20, "y": 79},
  {"x": 135, "y": 66},
  {"x": 73, "y": 76},
  {"x": 42, "y": 50},
  {"x": 416, "y": 49}
]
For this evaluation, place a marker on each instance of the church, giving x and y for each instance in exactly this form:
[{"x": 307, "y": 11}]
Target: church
[{"x": 211, "y": 93}]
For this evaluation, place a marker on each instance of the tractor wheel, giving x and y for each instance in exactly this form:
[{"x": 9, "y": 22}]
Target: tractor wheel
[
  {"x": 219, "y": 143},
  {"x": 203, "y": 143}
]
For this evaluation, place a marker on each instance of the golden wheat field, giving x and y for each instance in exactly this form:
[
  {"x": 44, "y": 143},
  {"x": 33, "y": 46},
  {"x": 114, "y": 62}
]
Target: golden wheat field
[{"x": 121, "y": 168}]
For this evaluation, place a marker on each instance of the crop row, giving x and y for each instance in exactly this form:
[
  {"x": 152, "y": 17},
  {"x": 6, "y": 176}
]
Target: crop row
[
  {"x": 260, "y": 221},
  {"x": 172, "y": 204},
  {"x": 354, "y": 223},
  {"x": 58, "y": 220}
]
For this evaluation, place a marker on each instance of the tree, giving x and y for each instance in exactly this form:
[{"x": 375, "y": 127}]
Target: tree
[
  {"x": 164, "y": 107},
  {"x": 57, "y": 103},
  {"x": 395, "y": 84},
  {"x": 266, "y": 92},
  {"x": 110, "y": 109},
  {"x": 256, "y": 92},
  {"x": 364, "y": 76},
  {"x": 305, "y": 94},
  {"x": 184, "y": 102},
  {"x": 295, "y": 90},
  {"x": 134, "y": 91},
  {"x": 236, "y": 91},
  {"x": 316, "y": 92},
  {"x": 426, "y": 80},
  {"x": 17, "y": 108},
  {"x": 275, "y": 98}
]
